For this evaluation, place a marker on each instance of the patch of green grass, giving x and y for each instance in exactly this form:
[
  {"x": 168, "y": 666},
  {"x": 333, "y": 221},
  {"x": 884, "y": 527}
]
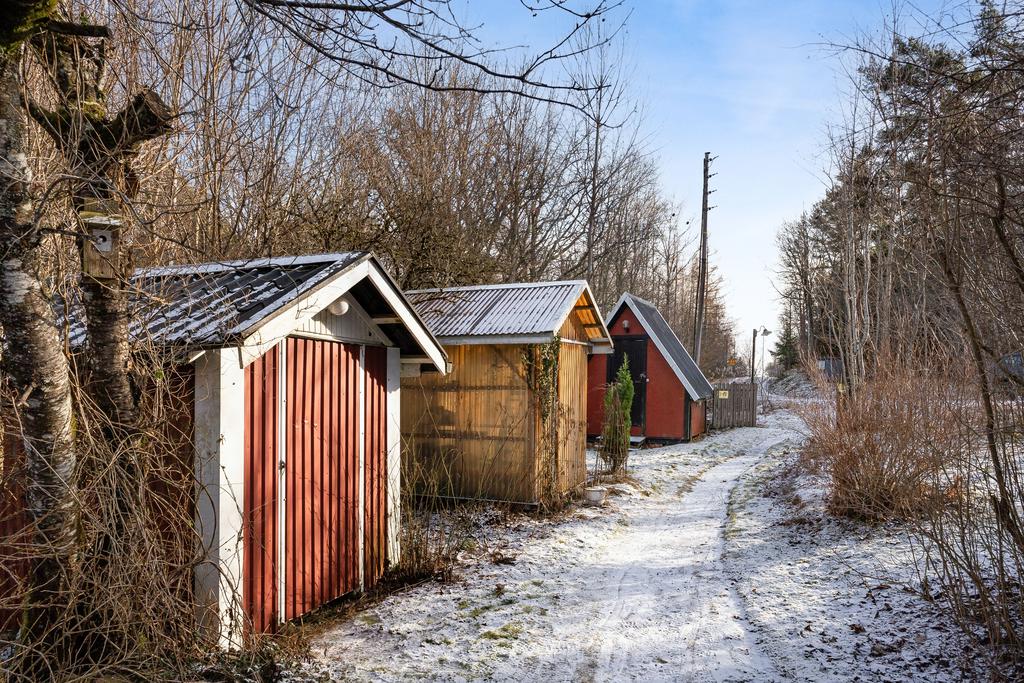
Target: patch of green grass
[
  {"x": 509, "y": 631},
  {"x": 369, "y": 619},
  {"x": 437, "y": 641},
  {"x": 480, "y": 610},
  {"x": 463, "y": 604}
]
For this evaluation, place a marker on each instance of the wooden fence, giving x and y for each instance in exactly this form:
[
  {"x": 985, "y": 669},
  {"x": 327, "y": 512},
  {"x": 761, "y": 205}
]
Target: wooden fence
[{"x": 734, "y": 405}]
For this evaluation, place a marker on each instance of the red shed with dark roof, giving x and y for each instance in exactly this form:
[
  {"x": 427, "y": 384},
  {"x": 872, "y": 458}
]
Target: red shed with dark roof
[
  {"x": 289, "y": 428},
  {"x": 669, "y": 403}
]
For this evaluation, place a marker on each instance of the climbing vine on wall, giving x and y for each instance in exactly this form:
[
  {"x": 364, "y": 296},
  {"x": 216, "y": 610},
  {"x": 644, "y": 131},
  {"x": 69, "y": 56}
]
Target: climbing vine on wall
[{"x": 542, "y": 377}]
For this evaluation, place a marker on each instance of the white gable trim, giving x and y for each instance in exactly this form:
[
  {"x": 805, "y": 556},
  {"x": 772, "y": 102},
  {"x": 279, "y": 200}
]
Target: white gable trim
[
  {"x": 293, "y": 316},
  {"x": 398, "y": 303},
  {"x": 268, "y": 333},
  {"x": 626, "y": 300}
]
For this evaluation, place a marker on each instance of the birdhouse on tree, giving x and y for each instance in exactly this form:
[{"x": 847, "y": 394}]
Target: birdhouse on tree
[{"x": 101, "y": 248}]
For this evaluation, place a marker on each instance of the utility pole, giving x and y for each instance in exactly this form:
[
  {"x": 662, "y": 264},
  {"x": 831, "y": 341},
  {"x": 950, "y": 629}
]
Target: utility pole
[
  {"x": 702, "y": 270},
  {"x": 753, "y": 355}
]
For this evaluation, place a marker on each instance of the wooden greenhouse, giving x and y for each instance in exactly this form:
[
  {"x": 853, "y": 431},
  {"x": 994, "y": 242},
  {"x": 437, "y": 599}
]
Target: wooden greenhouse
[{"x": 508, "y": 422}]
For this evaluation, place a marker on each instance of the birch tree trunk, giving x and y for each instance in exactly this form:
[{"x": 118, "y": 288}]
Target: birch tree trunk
[{"x": 37, "y": 368}]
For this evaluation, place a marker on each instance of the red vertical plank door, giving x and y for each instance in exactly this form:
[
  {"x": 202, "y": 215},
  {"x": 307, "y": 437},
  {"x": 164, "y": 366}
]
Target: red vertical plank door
[
  {"x": 259, "y": 559},
  {"x": 321, "y": 481},
  {"x": 321, "y": 546}
]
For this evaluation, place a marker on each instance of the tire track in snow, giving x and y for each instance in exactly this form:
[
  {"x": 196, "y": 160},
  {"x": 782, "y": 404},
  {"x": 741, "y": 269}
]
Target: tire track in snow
[
  {"x": 636, "y": 591},
  {"x": 674, "y": 615}
]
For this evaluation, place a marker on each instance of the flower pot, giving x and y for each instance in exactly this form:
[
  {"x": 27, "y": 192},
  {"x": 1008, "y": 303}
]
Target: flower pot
[{"x": 595, "y": 495}]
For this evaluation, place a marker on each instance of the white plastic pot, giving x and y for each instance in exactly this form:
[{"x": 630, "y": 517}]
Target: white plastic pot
[{"x": 595, "y": 495}]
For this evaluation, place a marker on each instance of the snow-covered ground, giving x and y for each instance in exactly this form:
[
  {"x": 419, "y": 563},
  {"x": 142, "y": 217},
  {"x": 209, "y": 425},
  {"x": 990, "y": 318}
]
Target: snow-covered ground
[
  {"x": 827, "y": 599},
  {"x": 682, "y": 576},
  {"x": 794, "y": 384}
]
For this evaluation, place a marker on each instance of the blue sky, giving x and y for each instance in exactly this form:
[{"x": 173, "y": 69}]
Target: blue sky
[{"x": 749, "y": 81}]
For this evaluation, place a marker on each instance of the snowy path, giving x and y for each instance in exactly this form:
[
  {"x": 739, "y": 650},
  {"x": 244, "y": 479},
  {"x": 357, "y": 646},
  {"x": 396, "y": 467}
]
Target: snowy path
[
  {"x": 634, "y": 591},
  {"x": 671, "y": 611}
]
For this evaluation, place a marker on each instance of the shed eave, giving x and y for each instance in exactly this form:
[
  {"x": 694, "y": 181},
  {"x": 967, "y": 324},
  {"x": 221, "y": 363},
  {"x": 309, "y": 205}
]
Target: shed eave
[
  {"x": 257, "y": 338},
  {"x": 602, "y": 347},
  {"x": 496, "y": 339}
]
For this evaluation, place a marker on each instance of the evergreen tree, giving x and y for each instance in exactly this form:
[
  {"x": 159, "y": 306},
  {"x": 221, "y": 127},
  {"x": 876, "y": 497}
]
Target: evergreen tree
[
  {"x": 786, "y": 352},
  {"x": 618, "y": 410}
]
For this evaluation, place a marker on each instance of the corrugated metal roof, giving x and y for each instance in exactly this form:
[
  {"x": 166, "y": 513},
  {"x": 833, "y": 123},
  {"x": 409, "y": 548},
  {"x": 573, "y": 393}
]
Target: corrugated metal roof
[
  {"x": 508, "y": 310},
  {"x": 214, "y": 304},
  {"x": 668, "y": 343}
]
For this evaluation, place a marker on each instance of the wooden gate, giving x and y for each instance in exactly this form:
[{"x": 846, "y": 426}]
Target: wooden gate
[{"x": 735, "y": 405}]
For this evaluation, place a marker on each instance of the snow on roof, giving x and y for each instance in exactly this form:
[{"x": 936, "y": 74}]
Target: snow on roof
[
  {"x": 518, "y": 312},
  {"x": 678, "y": 358}
]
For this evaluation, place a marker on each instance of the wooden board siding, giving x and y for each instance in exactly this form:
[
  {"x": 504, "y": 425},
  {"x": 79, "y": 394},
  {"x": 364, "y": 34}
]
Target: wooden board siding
[
  {"x": 375, "y": 503},
  {"x": 171, "y": 483},
  {"x": 573, "y": 327},
  {"x": 582, "y": 324},
  {"x": 322, "y": 474},
  {"x": 321, "y": 477},
  {"x": 351, "y": 327},
  {"x": 597, "y": 381},
  {"x": 260, "y": 513},
  {"x": 697, "y": 418},
  {"x": 170, "y": 489},
  {"x": 572, "y": 422},
  {"x": 666, "y": 399},
  {"x": 470, "y": 433},
  {"x": 734, "y": 405},
  {"x": 665, "y": 407}
]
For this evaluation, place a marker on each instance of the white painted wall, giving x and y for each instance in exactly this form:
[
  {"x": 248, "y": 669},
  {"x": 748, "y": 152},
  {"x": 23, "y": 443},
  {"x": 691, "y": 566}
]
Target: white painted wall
[
  {"x": 394, "y": 456},
  {"x": 219, "y": 444},
  {"x": 355, "y": 326}
]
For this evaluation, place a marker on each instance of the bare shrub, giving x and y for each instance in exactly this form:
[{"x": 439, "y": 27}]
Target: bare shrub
[
  {"x": 878, "y": 444},
  {"x": 130, "y": 604},
  {"x": 971, "y": 557},
  {"x": 434, "y": 528}
]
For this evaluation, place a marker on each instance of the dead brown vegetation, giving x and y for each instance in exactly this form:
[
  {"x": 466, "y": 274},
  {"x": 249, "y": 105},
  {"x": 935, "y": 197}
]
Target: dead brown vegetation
[
  {"x": 882, "y": 446},
  {"x": 907, "y": 281}
]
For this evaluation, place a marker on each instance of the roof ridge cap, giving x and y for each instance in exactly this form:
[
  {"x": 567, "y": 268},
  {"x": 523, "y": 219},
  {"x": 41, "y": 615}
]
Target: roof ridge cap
[{"x": 237, "y": 264}]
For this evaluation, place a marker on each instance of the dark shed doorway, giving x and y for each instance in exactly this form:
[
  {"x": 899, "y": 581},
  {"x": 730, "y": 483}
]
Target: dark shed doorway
[{"x": 634, "y": 348}]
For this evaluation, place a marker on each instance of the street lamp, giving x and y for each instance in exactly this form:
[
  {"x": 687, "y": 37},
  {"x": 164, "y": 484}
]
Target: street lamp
[{"x": 764, "y": 332}]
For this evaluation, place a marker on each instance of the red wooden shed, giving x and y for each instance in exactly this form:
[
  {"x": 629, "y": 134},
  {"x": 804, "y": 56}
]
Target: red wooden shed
[
  {"x": 293, "y": 365},
  {"x": 669, "y": 404}
]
